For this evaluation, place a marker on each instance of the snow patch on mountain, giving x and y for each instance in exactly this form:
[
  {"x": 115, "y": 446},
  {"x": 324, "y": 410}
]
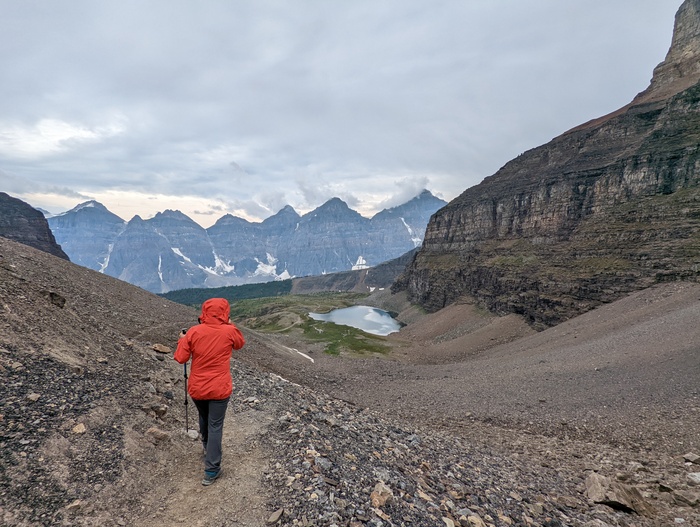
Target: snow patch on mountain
[
  {"x": 417, "y": 240},
  {"x": 360, "y": 264},
  {"x": 160, "y": 269},
  {"x": 105, "y": 262},
  {"x": 222, "y": 267},
  {"x": 179, "y": 253},
  {"x": 266, "y": 269}
]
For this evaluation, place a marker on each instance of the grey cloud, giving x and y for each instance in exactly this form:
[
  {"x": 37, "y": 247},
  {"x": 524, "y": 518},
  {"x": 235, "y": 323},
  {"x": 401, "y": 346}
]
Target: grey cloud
[
  {"x": 264, "y": 104},
  {"x": 406, "y": 189}
]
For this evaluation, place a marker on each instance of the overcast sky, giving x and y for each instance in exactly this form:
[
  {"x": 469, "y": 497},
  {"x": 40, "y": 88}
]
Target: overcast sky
[{"x": 216, "y": 106}]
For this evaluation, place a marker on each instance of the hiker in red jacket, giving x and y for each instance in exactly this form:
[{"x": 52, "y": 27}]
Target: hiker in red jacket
[{"x": 210, "y": 345}]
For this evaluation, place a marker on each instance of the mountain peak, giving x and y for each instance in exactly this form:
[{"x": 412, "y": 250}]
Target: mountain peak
[
  {"x": 230, "y": 219},
  {"x": 287, "y": 209},
  {"x": 136, "y": 220},
  {"x": 681, "y": 67},
  {"x": 87, "y": 211},
  {"x": 172, "y": 214},
  {"x": 334, "y": 207},
  {"x": 286, "y": 215},
  {"x": 334, "y": 202},
  {"x": 91, "y": 204},
  {"x": 425, "y": 199}
]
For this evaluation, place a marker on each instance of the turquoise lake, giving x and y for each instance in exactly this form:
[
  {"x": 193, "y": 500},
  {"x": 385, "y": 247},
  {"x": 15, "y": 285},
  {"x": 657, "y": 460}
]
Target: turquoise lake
[{"x": 368, "y": 319}]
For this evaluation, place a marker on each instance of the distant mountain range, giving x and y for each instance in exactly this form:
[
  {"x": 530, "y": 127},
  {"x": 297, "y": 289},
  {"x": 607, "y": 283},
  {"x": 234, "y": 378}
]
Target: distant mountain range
[{"x": 171, "y": 251}]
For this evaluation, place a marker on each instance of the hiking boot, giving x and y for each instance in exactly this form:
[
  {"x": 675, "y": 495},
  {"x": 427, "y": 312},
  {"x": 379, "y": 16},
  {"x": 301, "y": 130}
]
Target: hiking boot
[{"x": 210, "y": 477}]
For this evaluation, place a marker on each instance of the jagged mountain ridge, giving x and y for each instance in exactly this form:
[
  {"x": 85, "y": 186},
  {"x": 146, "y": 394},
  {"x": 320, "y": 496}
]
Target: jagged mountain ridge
[
  {"x": 171, "y": 251},
  {"x": 607, "y": 208}
]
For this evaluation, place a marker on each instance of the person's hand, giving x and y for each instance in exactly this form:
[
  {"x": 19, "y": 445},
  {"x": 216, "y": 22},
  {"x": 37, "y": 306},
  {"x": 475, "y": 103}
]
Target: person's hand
[{"x": 183, "y": 332}]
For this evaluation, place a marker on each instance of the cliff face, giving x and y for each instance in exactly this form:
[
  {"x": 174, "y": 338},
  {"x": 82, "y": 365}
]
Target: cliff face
[
  {"x": 607, "y": 208},
  {"x": 22, "y": 223}
]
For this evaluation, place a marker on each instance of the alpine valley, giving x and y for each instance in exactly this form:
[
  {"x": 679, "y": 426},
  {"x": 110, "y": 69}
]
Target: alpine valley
[{"x": 171, "y": 251}]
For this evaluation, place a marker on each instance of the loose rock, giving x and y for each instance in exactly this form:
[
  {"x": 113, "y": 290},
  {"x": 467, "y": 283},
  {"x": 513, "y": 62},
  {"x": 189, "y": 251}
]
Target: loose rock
[{"x": 600, "y": 489}]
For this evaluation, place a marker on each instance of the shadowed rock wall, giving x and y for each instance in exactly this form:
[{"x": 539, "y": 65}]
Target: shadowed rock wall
[{"x": 22, "y": 223}]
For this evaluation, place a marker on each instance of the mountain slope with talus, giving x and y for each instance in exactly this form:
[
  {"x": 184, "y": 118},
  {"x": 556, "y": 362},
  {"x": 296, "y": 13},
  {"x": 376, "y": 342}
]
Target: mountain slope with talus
[
  {"x": 471, "y": 419},
  {"x": 605, "y": 209}
]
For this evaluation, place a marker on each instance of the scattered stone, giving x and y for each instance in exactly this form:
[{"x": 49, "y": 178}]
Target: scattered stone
[
  {"x": 193, "y": 435},
  {"x": 619, "y": 496},
  {"x": 686, "y": 498},
  {"x": 56, "y": 299},
  {"x": 383, "y": 515},
  {"x": 159, "y": 409},
  {"x": 330, "y": 481},
  {"x": 160, "y": 348},
  {"x": 692, "y": 458},
  {"x": 80, "y": 429},
  {"x": 381, "y": 495},
  {"x": 635, "y": 466},
  {"x": 694, "y": 478},
  {"x": 156, "y": 435},
  {"x": 323, "y": 463},
  {"x": 567, "y": 501},
  {"x": 74, "y": 506},
  {"x": 448, "y": 522},
  {"x": 33, "y": 397},
  {"x": 476, "y": 521},
  {"x": 275, "y": 516}
]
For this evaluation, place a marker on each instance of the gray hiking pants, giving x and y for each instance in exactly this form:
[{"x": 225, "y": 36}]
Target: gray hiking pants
[{"x": 211, "y": 427}]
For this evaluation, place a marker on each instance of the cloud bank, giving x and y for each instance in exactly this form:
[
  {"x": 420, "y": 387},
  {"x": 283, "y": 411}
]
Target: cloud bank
[{"x": 244, "y": 107}]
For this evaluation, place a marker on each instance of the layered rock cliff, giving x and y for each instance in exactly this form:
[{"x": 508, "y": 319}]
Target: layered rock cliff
[
  {"x": 22, "y": 223},
  {"x": 604, "y": 209}
]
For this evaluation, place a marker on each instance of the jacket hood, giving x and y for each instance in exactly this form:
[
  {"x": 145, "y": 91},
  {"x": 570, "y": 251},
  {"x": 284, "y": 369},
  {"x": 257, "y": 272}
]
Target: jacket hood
[{"x": 215, "y": 311}]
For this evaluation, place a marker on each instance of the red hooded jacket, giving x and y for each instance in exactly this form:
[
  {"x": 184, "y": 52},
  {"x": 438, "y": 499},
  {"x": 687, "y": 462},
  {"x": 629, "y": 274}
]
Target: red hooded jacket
[{"x": 210, "y": 345}]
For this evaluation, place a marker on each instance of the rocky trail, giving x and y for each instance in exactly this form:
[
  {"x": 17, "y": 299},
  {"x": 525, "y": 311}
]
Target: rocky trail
[{"x": 237, "y": 498}]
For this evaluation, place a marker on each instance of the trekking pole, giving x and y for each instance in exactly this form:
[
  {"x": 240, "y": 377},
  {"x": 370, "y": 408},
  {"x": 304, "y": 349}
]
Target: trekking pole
[
  {"x": 183, "y": 332},
  {"x": 187, "y": 423}
]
